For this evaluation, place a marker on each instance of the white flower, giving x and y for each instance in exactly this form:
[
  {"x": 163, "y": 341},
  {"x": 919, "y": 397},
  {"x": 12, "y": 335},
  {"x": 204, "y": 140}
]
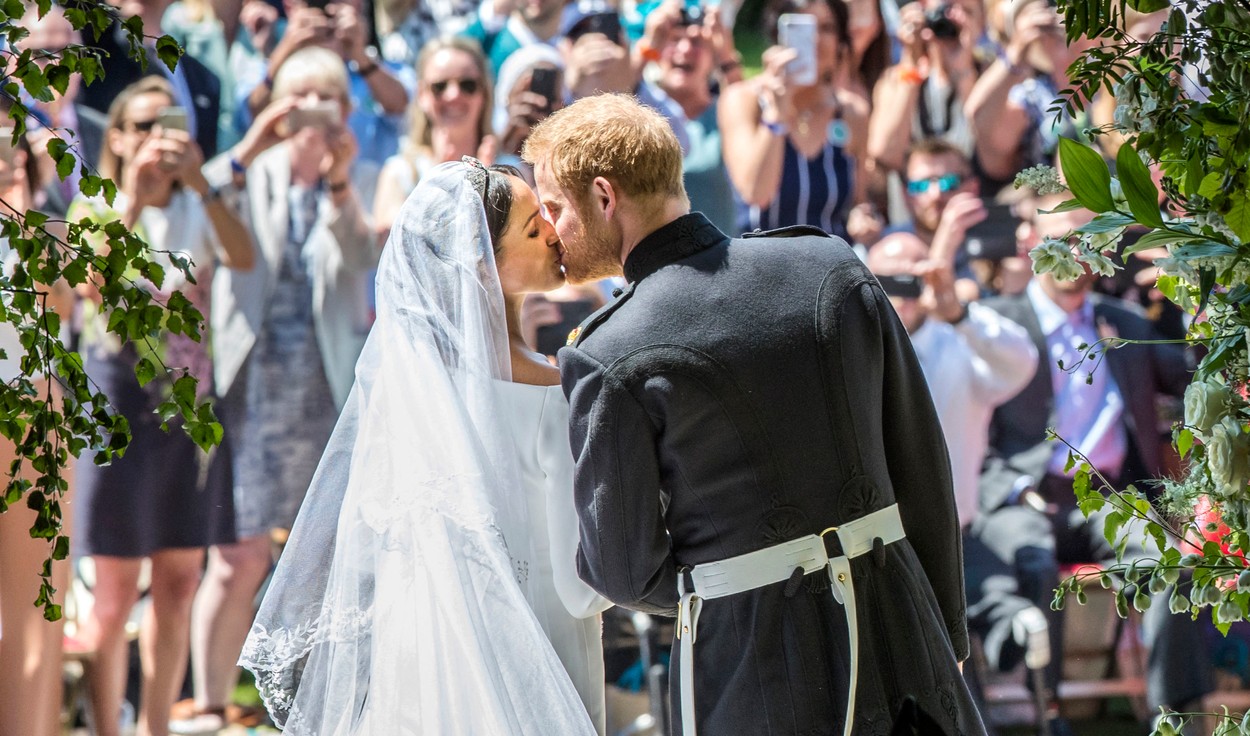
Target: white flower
[
  {"x": 1098, "y": 263},
  {"x": 1228, "y": 458},
  {"x": 1216, "y": 222},
  {"x": 1123, "y": 116},
  {"x": 1177, "y": 267},
  {"x": 1042, "y": 179},
  {"x": 1205, "y": 405},
  {"x": 1056, "y": 258},
  {"x": 1098, "y": 242}
]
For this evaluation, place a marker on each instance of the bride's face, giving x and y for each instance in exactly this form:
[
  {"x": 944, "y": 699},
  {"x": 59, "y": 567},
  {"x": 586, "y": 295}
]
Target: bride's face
[{"x": 528, "y": 252}]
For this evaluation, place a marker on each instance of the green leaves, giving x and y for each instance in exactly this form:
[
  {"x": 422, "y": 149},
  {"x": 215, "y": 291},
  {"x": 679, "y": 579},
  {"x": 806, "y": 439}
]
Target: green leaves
[
  {"x": 168, "y": 51},
  {"x": 1087, "y": 175},
  {"x": 1139, "y": 189}
]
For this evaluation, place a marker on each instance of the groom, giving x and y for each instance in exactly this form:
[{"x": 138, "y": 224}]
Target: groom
[{"x": 756, "y": 450}]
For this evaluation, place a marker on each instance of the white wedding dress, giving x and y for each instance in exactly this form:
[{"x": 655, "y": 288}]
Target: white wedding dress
[
  {"x": 428, "y": 587},
  {"x": 566, "y": 608}
]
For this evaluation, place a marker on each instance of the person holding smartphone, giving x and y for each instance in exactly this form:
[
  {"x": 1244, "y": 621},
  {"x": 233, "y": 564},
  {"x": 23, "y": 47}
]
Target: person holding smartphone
[
  {"x": 794, "y": 134},
  {"x": 695, "y": 60},
  {"x": 1008, "y": 107},
  {"x": 285, "y": 339},
  {"x": 530, "y": 87},
  {"x": 152, "y": 503}
]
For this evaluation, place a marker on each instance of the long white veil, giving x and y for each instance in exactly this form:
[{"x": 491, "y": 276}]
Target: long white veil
[{"x": 399, "y": 605}]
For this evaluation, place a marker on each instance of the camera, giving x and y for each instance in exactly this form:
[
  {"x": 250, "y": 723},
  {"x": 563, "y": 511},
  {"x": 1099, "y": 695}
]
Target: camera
[
  {"x": 691, "y": 14},
  {"x": 938, "y": 21}
]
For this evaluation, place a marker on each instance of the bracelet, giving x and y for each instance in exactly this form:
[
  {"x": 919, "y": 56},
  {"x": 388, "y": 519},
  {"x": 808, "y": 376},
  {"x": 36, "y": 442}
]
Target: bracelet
[
  {"x": 1012, "y": 68},
  {"x": 212, "y": 195},
  {"x": 910, "y": 75},
  {"x": 340, "y": 186},
  {"x": 237, "y": 167},
  {"x": 777, "y": 129},
  {"x": 648, "y": 52},
  {"x": 365, "y": 73}
]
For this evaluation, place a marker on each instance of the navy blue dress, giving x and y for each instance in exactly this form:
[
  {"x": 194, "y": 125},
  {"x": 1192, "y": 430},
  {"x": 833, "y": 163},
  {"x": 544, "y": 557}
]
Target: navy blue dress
[{"x": 815, "y": 191}]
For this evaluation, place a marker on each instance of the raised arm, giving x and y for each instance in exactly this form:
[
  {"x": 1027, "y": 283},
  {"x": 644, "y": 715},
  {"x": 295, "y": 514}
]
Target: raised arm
[{"x": 754, "y": 117}]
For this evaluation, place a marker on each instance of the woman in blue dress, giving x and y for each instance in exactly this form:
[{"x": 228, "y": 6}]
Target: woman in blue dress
[{"x": 792, "y": 150}]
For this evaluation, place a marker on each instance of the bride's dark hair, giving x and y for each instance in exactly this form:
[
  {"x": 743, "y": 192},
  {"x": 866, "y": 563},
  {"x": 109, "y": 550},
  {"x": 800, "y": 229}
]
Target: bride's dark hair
[{"x": 495, "y": 189}]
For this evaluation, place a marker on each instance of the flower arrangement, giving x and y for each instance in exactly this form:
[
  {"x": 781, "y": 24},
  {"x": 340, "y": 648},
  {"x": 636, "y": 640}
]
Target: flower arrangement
[{"x": 1182, "y": 102}]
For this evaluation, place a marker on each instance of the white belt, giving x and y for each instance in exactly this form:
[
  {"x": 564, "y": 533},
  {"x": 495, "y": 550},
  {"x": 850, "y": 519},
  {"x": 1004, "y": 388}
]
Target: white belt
[{"x": 774, "y": 565}]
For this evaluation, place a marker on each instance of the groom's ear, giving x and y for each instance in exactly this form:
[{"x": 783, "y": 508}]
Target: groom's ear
[{"x": 604, "y": 196}]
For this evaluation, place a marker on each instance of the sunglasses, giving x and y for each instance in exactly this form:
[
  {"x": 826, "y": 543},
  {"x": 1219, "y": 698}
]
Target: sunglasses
[
  {"x": 467, "y": 86},
  {"x": 945, "y": 184}
]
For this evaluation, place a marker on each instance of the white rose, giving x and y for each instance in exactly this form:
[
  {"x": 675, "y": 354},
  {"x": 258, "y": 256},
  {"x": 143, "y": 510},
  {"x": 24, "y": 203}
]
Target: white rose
[
  {"x": 1228, "y": 458},
  {"x": 1205, "y": 403}
]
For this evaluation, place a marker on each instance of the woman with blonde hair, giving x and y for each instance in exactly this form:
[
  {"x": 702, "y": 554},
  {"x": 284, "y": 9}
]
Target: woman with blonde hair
[
  {"x": 285, "y": 341},
  {"x": 450, "y": 118}
]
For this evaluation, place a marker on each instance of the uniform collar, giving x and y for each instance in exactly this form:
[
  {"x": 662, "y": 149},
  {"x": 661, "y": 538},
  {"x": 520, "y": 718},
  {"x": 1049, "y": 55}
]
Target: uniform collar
[{"x": 679, "y": 239}]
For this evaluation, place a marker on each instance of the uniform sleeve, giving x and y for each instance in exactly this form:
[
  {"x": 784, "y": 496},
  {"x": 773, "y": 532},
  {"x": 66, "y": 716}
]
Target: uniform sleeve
[
  {"x": 919, "y": 468},
  {"x": 624, "y": 551}
]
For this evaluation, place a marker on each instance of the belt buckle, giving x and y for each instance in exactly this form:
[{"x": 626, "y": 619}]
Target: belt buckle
[{"x": 841, "y": 552}]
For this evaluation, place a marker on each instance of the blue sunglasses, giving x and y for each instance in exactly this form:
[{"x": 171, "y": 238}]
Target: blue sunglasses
[{"x": 946, "y": 183}]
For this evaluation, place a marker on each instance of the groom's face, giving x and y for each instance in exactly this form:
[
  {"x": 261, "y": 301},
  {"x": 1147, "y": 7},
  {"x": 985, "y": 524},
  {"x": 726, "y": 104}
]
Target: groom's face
[{"x": 592, "y": 243}]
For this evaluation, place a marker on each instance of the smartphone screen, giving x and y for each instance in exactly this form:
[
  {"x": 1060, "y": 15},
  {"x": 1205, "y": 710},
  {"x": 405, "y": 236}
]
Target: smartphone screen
[
  {"x": 798, "y": 31},
  {"x": 172, "y": 118},
  {"x": 543, "y": 82}
]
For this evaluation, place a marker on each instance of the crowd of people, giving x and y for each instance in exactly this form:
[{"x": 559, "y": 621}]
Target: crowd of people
[{"x": 278, "y": 156}]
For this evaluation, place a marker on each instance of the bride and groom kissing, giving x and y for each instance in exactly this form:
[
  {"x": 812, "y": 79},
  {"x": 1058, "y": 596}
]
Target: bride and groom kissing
[{"x": 742, "y": 439}]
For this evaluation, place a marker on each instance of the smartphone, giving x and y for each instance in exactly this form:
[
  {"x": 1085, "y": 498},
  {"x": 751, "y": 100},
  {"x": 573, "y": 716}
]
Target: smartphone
[
  {"x": 325, "y": 115},
  {"x": 609, "y": 24},
  {"x": 798, "y": 31},
  {"x": 902, "y": 285},
  {"x": 994, "y": 238},
  {"x": 172, "y": 118},
  {"x": 543, "y": 82},
  {"x": 551, "y": 338}
]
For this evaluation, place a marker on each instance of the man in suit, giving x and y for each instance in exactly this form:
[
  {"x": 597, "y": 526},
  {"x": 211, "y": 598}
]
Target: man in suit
[
  {"x": 738, "y": 398},
  {"x": 196, "y": 87},
  {"x": 1102, "y": 403}
]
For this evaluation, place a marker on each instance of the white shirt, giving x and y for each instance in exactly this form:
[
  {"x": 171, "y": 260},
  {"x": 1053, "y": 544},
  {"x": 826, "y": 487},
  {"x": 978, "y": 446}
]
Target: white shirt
[
  {"x": 1088, "y": 403},
  {"x": 971, "y": 368}
]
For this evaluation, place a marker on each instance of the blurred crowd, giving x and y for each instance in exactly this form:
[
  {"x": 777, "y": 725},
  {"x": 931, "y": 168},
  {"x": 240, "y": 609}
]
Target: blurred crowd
[{"x": 278, "y": 153}]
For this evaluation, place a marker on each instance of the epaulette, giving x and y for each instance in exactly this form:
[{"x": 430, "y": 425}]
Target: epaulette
[
  {"x": 793, "y": 231},
  {"x": 589, "y": 324}
]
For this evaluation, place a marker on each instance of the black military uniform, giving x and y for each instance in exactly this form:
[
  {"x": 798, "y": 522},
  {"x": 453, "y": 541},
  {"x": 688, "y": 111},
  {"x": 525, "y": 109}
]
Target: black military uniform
[{"x": 742, "y": 393}]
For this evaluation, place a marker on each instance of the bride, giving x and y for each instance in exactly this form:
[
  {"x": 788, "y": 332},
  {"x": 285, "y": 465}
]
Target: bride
[{"x": 428, "y": 586}]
